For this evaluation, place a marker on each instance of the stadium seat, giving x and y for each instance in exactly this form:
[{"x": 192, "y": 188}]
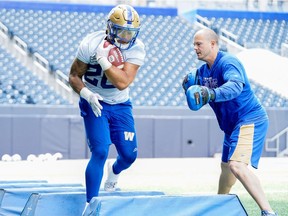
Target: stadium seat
[
  {"x": 56, "y": 35},
  {"x": 270, "y": 32},
  {"x": 20, "y": 86}
]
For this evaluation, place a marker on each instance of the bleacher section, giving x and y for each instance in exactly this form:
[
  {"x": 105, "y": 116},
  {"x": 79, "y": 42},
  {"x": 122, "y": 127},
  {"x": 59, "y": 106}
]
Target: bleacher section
[
  {"x": 251, "y": 30},
  {"x": 56, "y": 32},
  {"x": 53, "y": 34},
  {"x": 56, "y": 36},
  {"x": 268, "y": 97},
  {"x": 18, "y": 85}
]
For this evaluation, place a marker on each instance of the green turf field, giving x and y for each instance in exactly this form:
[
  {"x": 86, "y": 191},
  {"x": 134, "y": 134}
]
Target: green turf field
[{"x": 278, "y": 202}]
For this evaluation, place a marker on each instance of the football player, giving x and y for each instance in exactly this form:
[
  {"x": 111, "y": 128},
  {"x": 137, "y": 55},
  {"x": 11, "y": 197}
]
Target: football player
[
  {"x": 104, "y": 95},
  {"x": 222, "y": 82}
]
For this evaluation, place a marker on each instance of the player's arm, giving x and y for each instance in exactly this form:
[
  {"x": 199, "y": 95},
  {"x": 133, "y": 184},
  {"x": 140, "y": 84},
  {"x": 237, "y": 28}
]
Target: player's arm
[
  {"x": 122, "y": 78},
  {"x": 77, "y": 70},
  {"x": 228, "y": 91},
  {"x": 234, "y": 82}
]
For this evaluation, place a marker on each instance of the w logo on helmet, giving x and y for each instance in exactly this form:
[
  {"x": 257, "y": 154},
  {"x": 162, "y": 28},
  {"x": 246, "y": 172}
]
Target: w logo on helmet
[{"x": 129, "y": 136}]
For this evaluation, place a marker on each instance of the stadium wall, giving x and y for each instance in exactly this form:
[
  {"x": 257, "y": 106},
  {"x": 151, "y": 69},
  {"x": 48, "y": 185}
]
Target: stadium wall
[
  {"x": 241, "y": 14},
  {"x": 82, "y": 7},
  {"x": 163, "y": 132}
]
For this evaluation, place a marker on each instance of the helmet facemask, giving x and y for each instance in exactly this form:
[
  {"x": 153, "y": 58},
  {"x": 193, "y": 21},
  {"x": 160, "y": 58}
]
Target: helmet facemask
[{"x": 123, "y": 26}]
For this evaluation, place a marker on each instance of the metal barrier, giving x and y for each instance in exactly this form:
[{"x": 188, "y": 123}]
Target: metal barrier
[{"x": 280, "y": 141}]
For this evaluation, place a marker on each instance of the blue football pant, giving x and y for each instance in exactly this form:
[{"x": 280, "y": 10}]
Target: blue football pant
[{"x": 116, "y": 125}]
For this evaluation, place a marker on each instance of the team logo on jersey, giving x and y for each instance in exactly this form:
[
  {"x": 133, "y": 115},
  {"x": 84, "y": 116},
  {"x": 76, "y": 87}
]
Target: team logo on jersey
[
  {"x": 129, "y": 136},
  {"x": 210, "y": 82},
  {"x": 93, "y": 59}
]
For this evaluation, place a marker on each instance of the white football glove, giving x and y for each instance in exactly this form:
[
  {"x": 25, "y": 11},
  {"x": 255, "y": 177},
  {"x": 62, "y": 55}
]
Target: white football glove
[
  {"x": 102, "y": 54},
  {"x": 93, "y": 100}
]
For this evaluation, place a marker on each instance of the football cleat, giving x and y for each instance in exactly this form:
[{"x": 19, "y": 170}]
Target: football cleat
[{"x": 111, "y": 182}]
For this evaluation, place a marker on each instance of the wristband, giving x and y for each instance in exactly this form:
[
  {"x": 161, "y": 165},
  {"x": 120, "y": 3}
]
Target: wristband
[
  {"x": 85, "y": 93},
  {"x": 104, "y": 63},
  {"x": 212, "y": 95}
]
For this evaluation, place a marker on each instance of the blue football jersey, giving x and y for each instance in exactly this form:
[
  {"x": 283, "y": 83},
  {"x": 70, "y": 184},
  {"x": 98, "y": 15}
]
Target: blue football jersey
[{"x": 244, "y": 107}]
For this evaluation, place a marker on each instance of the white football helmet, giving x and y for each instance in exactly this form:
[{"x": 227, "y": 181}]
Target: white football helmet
[{"x": 123, "y": 26}]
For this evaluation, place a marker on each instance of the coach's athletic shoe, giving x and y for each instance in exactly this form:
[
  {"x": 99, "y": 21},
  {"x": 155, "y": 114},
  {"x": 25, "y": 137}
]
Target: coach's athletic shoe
[
  {"x": 85, "y": 208},
  {"x": 267, "y": 213},
  {"x": 111, "y": 182}
]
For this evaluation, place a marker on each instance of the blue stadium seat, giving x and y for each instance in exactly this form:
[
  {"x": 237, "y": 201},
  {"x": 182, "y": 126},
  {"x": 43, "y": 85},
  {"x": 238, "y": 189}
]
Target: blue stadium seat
[
  {"x": 20, "y": 86},
  {"x": 56, "y": 35},
  {"x": 270, "y": 32}
]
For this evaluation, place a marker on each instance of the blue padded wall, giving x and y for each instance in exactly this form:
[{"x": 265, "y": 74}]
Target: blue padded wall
[
  {"x": 145, "y": 137},
  {"x": 77, "y": 142},
  {"x": 167, "y": 137},
  {"x": 6, "y": 134},
  {"x": 213, "y": 205},
  {"x": 52, "y": 140},
  {"x": 26, "y": 134},
  {"x": 160, "y": 133},
  {"x": 194, "y": 135}
]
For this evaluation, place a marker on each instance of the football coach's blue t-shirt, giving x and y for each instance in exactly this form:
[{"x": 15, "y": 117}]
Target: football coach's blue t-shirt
[{"x": 245, "y": 107}]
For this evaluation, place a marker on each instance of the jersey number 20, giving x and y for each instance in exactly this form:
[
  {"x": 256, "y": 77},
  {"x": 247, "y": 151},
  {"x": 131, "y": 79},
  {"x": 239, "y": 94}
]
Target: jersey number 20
[{"x": 93, "y": 76}]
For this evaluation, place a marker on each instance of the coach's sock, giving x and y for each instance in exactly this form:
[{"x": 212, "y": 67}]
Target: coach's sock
[{"x": 87, "y": 204}]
